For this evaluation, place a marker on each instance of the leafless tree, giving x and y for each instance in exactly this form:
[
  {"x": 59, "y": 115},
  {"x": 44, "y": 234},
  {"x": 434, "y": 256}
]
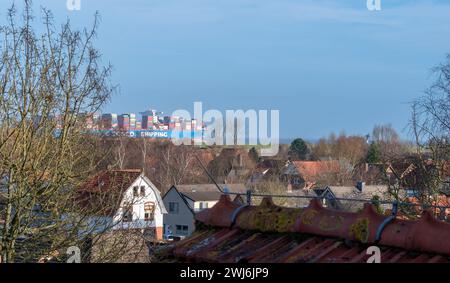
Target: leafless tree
[
  {"x": 174, "y": 162},
  {"x": 144, "y": 146},
  {"x": 47, "y": 81},
  {"x": 120, "y": 151},
  {"x": 350, "y": 148},
  {"x": 430, "y": 127},
  {"x": 388, "y": 141}
]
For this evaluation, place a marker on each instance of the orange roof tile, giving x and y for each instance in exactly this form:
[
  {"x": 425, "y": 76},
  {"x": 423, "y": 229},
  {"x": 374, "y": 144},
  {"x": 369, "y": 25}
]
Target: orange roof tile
[
  {"x": 103, "y": 192},
  {"x": 269, "y": 233},
  {"x": 311, "y": 170}
]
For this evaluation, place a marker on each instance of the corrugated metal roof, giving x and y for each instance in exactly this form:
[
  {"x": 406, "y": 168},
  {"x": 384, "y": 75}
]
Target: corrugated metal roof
[{"x": 269, "y": 233}]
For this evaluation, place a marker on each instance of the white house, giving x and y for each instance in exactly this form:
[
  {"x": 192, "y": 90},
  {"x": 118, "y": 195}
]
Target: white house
[
  {"x": 125, "y": 199},
  {"x": 183, "y": 201}
]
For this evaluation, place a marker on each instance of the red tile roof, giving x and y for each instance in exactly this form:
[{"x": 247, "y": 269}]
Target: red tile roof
[
  {"x": 440, "y": 200},
  {"x": 103, "y": 192},
  {"x": 111, "y": 180},
  {"x": 312, "y": 170},
  {"x": 269, "y": 233}
]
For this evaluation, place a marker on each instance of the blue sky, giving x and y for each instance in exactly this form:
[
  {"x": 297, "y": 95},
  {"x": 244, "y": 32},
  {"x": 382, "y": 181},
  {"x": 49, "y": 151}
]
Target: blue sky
[{"x": 326, "y": 65}]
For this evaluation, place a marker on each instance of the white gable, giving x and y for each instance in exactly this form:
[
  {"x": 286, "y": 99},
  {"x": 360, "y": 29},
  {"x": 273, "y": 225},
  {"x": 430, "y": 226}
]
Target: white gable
[{"x": 139, "y": 195}]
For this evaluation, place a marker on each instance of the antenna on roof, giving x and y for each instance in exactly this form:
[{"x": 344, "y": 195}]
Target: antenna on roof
[{"x": 209, "y": 174}]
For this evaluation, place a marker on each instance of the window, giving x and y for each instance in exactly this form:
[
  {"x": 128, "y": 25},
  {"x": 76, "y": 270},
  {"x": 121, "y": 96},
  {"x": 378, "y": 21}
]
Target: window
[
  {"x": 149, "y": 211},
  {"x": 127, "y": 214},
  {"x": 202, "y": 205},
  {"x": 149, "y": 216},
  {"x": 142, "y": 191},
  {"x": 182, "y": 229},
  {"x": 173, "y": 207},
  {"x": 135, "y": 191}
]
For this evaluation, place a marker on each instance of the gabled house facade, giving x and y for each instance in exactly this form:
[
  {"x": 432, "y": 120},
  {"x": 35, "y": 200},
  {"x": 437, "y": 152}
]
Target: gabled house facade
[
  {"x": 127, "y": 200},
  {"x": 179, "y": 220},
  {"x": 184, "y": 201}
]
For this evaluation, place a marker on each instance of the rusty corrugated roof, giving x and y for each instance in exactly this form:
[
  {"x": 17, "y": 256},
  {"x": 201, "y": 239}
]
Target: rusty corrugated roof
[{"x": 269, "y": 233}]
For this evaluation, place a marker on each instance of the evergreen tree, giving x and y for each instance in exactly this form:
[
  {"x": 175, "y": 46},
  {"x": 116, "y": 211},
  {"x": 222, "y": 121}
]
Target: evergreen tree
[
  {"x": 299, "y": 149},
  {"x": 373, "y": 154}
]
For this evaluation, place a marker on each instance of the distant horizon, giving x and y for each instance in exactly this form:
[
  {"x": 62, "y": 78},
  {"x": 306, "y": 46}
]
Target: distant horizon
[
  {"x": 326, "y": 66},
  {"x": 283, "y": 140}
]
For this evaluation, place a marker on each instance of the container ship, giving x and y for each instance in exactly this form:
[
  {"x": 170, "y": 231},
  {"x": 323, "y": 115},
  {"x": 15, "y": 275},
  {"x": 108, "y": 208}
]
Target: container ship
[{"x": 149, "y": 124}]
